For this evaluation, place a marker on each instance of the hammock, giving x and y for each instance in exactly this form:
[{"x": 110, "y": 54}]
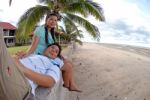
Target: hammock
[{"x": 13, "y": 85}]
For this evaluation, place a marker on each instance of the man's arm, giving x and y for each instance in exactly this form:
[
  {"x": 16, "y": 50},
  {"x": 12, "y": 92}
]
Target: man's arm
[{"x": 40, "y": 79}]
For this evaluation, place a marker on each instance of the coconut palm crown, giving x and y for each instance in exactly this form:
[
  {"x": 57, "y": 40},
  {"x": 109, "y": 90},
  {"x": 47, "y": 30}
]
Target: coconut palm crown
[{"x": 72, "y": 11}]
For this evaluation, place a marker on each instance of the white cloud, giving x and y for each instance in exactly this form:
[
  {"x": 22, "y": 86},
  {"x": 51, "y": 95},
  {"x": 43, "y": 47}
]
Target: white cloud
[
  {"x": 18, "y": 7},
  {"x": 123, "y": 19},
  {"x": 124, "y": 10}
]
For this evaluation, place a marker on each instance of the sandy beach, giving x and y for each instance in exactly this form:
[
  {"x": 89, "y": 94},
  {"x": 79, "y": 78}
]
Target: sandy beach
[{"x": 111, "y": 72}]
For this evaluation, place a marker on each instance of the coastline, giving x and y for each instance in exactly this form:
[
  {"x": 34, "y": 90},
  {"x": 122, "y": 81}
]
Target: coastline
[
  {"x": 110, "y": 72},
  {"x": 130, "y": 48}
]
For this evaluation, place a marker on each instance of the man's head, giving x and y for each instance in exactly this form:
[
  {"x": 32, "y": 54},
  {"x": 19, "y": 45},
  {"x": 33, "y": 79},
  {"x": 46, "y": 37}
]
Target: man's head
[{"x": 53, "y": 51}]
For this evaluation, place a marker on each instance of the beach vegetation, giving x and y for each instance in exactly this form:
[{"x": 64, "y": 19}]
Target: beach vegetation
[{"x": 70, "y": 34}]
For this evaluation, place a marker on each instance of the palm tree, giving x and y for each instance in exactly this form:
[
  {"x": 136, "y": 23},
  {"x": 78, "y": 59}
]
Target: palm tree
[
  {"x": 69, "y": 34},
  {"x": 72, "y": 11}
]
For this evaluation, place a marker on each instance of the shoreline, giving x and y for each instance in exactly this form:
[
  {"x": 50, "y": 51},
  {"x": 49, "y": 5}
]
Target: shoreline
[
  {"x": 108, "y": 73},
  {"x": 129, "y": 48},
  {"x": 143, "y": 51},
  {"x": 139, "y": 45}
]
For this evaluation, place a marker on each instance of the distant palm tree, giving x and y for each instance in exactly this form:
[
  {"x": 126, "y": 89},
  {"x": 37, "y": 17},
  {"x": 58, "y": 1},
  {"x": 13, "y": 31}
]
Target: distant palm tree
[
  {"x": 69, "y": 34},
  {"x": 72, "y": 11}
]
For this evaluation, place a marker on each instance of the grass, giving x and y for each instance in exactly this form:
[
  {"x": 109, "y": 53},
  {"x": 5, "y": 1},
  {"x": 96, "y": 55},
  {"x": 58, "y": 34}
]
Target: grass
[{"x": 13, "y": 50}]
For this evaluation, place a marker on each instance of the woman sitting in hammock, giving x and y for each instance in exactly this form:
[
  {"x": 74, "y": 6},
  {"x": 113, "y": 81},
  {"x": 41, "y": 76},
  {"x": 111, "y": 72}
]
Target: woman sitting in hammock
[{"x": 42, "y": 70}]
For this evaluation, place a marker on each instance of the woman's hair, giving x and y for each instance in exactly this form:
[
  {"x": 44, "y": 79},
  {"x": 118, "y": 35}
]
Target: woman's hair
[
  {"x": 59, "y": 53},
  {"x": 49, "y": 14},
  {"x": 52, "y": 34}
]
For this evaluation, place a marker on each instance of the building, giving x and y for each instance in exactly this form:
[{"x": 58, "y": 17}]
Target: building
[{"x": 9, "y": 33}]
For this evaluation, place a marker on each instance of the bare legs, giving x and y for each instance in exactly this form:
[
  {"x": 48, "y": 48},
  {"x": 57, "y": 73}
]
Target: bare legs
[{"x": 67, "y": 74}]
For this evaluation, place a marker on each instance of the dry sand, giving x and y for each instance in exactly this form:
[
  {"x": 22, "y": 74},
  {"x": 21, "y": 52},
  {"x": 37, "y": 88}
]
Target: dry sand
[{"x": 111, "y": 72}]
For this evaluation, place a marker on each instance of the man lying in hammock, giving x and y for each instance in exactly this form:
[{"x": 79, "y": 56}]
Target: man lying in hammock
[{"x": 42, "y": 70}]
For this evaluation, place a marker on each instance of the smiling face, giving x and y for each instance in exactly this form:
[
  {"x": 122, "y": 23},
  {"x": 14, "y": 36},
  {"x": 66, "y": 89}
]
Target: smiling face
[
  {"x": 51, "y": 21},
  {"x": 52, "y": 51}
]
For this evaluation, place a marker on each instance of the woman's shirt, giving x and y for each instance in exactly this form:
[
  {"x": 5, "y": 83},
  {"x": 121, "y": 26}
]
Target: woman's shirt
[{"x": 40, "y": 33}]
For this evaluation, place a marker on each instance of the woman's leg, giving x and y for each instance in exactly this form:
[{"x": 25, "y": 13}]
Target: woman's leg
[{"x": 67, "y": 74}]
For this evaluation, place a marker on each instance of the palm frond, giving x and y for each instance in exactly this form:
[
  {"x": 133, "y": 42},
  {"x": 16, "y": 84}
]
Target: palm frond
[
  {"x": 85, "y": 8},
  {"x": 78, "y": 41},
  {"x": 94, "y": 9},
  {"x": 10, "y": 1},
  {"x": 61, "y": 29},
  {"x": 91, "y": 29},
  {"x": 76, "y": 7},
  {"x": 30, "y": 19},
  {"x": 41, "y": 1},
  {"x": 45, "y": 1},
  {"x": 69, "y": 21}
]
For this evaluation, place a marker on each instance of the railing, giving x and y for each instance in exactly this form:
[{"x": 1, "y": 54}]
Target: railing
[{"x": 6, "y": 33}]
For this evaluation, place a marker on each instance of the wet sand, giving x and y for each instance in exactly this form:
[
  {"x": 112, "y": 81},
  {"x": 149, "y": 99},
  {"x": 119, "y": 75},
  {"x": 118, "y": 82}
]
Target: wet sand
[{"x": 111, "y": 72}]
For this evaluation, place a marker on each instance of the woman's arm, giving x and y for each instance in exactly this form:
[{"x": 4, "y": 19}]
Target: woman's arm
[{"x": 35, "y": 41}]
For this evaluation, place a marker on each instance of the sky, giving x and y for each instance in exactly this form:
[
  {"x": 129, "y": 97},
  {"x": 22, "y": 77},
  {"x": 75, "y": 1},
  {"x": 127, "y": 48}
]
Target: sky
[
  {"x": 12, "y": 13},
  {"x": 127, "y": 21}
]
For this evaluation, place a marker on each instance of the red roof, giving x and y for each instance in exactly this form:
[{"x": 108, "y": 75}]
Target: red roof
[{"x": 6, "y": 25}]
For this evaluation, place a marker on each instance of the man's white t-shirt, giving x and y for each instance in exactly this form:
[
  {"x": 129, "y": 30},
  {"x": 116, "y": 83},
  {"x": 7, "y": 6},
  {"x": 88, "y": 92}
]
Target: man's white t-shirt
[{"x": 43, "y": 65}]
